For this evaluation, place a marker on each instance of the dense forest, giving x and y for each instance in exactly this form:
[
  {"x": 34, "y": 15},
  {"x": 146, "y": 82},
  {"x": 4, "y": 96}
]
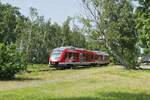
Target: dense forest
[{"x": 115, "y": 26}]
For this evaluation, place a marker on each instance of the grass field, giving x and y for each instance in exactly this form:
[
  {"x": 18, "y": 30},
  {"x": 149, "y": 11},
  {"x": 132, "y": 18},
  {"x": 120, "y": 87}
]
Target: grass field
[{"x": 97, "y": 83}]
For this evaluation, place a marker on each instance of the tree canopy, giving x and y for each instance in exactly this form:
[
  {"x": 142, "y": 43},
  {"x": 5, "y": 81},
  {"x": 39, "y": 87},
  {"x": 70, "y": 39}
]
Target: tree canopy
[
  {"x": 112, "y": 23},
  {"x": 35, "y": 35},
  {"x": 143, "y": 25}
]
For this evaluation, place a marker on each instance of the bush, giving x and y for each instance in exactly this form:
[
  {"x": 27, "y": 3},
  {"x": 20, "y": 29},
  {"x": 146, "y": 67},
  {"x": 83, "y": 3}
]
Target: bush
[
  {"x": 11, "y": 61},
  {"x": 147, "y": 51}
]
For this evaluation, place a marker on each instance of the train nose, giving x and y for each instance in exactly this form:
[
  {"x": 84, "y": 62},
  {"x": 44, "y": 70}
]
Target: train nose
[
  {"x": 53, "y": 63},
  {"x": 53, "y": 60}
]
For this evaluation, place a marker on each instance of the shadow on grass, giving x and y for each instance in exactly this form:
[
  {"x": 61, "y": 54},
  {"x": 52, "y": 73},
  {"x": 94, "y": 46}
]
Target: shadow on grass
[
  {"x": 86, "y": 67},
  {"x": 40, "y": 70},
  {"x": 77, "y": 67},
  {"x": 20, "y": 79},
  {"x": 110, "y": 96}
]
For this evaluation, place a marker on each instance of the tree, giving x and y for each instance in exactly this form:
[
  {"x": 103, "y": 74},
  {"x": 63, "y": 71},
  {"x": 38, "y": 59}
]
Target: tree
[
  {"x": 8, "y": 22},
  {"x": 11, "y": 61},
  {"x": 77, "y": 38},
  {"x": 143, "y": 24},
  {"x": 72, "y": 37},
  {"x": 35, "y": 35},
  {"x": 66, "y": 40},
  {"x": 38, "y": 37},
  {"x": 112, "y": 23}
]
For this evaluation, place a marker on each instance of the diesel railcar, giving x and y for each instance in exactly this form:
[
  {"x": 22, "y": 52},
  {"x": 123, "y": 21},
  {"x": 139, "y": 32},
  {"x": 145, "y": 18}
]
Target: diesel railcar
[{"x": 64, "y": 57}]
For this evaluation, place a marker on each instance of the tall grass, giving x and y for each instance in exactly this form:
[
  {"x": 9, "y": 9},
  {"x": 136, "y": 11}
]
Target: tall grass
[{"x": 97, "y": 83}]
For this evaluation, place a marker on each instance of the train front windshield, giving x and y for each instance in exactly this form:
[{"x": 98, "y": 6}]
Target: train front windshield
[{"x": 55, "y": 55}]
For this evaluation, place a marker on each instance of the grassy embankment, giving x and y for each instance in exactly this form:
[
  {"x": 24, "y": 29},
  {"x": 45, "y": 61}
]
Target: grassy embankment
[{"x": 97, "y": 83}]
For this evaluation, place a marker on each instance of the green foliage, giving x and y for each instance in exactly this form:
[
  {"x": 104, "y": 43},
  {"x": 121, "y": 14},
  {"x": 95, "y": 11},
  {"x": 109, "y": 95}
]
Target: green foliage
[
  {"x": 112, "y": 23},
  {"x": 72, "y": 37},
  {"x": 8, "y": 20},
  {"x": 143, "y": 24},
  {"x": 11, "y": 61},
  {"x": 35, "y": 35},
  {"x": 147, "y": 51},
  {"x": 38, "y": 37}
]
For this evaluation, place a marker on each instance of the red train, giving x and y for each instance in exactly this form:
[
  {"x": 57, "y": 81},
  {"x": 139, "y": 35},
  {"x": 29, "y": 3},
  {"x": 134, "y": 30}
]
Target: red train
[{"x": 64, "y": 57}]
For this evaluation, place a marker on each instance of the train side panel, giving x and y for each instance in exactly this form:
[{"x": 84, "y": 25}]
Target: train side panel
[{"x": 77, "y": 57}]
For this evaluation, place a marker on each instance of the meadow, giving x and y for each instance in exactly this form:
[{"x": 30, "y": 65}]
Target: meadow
[{"x": 110, "y": 82}]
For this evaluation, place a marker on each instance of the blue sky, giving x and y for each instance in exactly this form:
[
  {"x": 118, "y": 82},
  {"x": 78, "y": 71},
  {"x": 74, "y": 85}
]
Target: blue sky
[{"x": 57, "y": 10}]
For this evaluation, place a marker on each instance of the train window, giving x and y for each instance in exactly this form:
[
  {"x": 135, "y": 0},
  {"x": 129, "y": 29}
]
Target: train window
[
  {"x": 100, "y": 58},
  {"x": 71, "y": 56},
  {"x": 75, "y": 55},
  {"x": 84, "y": 55},
  {"x": 96, "y": 57},
  {"x": 91, "y": 56},
  {"x": 66, "y": 56},
  {"x": 55, "y": 55},
  {"x": 103, "y": 57},
  {"x": 88, "y": 57}
]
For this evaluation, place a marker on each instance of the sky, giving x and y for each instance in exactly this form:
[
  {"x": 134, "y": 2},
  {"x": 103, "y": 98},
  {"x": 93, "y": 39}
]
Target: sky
[{"x": 56, "y": 10}]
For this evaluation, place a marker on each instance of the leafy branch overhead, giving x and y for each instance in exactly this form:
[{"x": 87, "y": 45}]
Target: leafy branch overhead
[
  {"x": 113, "y": 24},
  {"x": 143, "y": 25}
]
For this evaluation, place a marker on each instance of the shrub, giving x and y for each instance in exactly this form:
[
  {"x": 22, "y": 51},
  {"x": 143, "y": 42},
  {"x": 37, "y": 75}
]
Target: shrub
[{"x": 11, "y": 61}]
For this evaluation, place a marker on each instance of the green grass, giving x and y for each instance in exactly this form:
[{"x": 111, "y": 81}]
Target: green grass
[
  {"x": 97, "y": 83},
  {"x": 37, "y": 67}
]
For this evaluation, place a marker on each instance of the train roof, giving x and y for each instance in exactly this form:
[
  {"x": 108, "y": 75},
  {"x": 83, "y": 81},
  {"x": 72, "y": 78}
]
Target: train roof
[
  {"x": 68, "y": 47},
  {"x": 101, "y": 53},
  {"x": 75, "y": 48},
  {"x": 63, "y": 48}
]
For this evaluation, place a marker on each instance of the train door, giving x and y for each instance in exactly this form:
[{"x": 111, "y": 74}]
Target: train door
[{"x": 81, "y": 57}]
